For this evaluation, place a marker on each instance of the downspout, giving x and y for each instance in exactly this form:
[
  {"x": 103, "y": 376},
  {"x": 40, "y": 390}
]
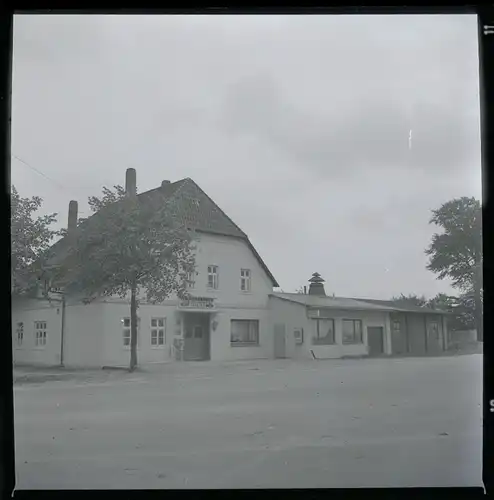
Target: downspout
[
  {"x": 445, "y": 331},
  {"x": 426, "y": 336},
  {"x": 62, "y": 332},
  {"x": 407, "y": 336}
]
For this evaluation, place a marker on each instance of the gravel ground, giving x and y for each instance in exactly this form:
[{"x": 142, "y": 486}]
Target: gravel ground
[{"x": 277, "y": 424}]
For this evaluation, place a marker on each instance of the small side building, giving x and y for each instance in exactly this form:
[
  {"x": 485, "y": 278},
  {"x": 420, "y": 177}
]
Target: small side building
[{"x": 314, "y": 325}]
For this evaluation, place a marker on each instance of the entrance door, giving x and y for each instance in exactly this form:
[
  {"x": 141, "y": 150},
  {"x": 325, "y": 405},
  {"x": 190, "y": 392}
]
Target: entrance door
[
  {"x": 195, "y": 340},
  {"x": 375, "y": 339},
  {"x": 279, "y": 341}
]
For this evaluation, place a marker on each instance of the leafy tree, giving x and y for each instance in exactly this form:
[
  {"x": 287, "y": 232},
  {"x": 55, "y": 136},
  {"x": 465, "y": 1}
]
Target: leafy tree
[
  {"x": 443, "y": 302},
  {"x": 462, "y": 307},
  {"x": 109, "y": 197},
  {"x": 456, "y": 252},
  {"x": 465, "y": 310},
  {"x": 30, "y": 238},
  {"x": 130, "y": 247},
  {"x": 411, "y": 299}
]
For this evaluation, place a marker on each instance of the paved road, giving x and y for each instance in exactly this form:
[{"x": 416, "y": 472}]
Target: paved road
[{"x": 269, "y": 424}]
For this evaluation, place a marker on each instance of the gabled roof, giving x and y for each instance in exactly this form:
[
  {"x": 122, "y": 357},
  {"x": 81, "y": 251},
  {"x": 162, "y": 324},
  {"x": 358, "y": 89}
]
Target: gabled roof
[
  {"x": 352, "y": 303},
  {"x": 194, "y": 207},
  {"x": 188, "y": 204}
]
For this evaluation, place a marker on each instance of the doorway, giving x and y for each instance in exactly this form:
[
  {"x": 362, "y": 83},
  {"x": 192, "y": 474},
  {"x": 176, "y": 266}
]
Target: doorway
[
  {"x": 375, "y": 340},
  {"x": 279, "y": 341},
  {"x": 196, "y": 337}
]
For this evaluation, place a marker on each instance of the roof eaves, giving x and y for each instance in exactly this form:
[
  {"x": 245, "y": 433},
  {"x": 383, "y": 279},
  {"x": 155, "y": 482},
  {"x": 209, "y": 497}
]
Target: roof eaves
[
  {"x": 424, "y": 311},
  {"x": 288, "y": 299},
  {"x": 400, "y": 307},
  {"x": 362, "y": 307},
  {"x": 261, "y": 262}
]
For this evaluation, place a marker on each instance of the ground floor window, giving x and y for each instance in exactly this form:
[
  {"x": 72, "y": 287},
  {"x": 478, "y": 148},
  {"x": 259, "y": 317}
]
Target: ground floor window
[
  {"x": 158, "y": 331},
  {"x": 20, "y": 333},
  {"x": 40, "y": 333},
  {"x": 323, "y": 331},
  {"x": 244, "y": 332},
  {"x": 126, "y": 331},
  {"x": 352, "y": 331}
]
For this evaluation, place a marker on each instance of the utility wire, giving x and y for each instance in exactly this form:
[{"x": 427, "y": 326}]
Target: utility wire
[
  {"x": 38, "y": 171},
  {"x": 65, "y": 188},
  {"x": 60, "y": 186}
]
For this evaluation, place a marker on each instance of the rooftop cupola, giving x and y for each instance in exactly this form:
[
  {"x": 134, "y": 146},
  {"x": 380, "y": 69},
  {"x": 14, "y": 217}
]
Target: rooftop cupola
[{"x": 316, "y": 286}]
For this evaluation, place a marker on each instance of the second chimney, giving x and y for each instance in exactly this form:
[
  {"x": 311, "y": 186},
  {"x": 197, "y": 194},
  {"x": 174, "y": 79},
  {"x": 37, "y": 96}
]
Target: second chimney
[
  {"x": 130, "y": 182},
  {"x": 72, "y": 222},
  {"x": 316, "y": 286}
]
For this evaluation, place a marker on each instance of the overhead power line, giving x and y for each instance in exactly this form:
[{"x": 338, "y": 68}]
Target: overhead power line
[{"x": 58, "y": 184}]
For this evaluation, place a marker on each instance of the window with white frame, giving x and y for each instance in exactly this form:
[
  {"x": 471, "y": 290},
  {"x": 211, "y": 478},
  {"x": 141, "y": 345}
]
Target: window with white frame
[
  {"x": 244, "y": 332},
  {"x": 40, "y": 333},
  {"x": 323, "y": 331},
  {"x": 126, "y": 331},
  {"x": 245, "y": 278},
  {"x": 158, "y": 326},
  {"x": 213, "y": 277},
  {"x": 190, "y": 280},
  {"x": 352, "y": 331},
  {"x": 396, "y": 326},
  {"x": 20, "y": 333}
]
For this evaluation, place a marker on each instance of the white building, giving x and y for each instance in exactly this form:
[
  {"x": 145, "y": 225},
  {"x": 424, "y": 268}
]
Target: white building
[
  {"x": 316, "y": 326},
  {"x": 225, "y": 318},
  {"x": 232, "y": 312}
]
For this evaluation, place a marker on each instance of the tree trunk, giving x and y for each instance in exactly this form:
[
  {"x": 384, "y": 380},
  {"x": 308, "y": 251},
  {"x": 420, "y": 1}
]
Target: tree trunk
[{"x": 133, "y": 328}]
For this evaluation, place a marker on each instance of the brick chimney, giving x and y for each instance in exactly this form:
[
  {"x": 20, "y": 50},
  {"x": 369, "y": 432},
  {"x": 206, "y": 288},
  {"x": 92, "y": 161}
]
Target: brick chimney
[
  {"x": 164, "y": 183},
  {"x": 72, "y": 222},
  {"x": 316, "y": 286},
  {"x": 130, "y": 182}
]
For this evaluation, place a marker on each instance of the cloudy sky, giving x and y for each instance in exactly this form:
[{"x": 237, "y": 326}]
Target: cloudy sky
[{"x": 297, "y": 126}]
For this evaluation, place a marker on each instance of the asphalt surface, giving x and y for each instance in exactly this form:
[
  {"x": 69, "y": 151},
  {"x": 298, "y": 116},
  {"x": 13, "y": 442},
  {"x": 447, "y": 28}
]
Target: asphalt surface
[{"x": 260, "y": 424}]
